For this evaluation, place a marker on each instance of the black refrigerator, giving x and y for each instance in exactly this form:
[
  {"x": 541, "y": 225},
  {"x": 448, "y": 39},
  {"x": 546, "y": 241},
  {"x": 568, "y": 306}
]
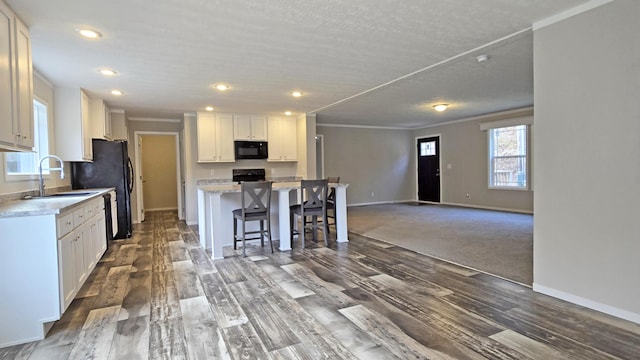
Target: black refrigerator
[{"x": 111, "y": 167}]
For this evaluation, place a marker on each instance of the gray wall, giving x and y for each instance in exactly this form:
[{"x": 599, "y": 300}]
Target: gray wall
[
  {"x": 377, "y": 161},
  {"x": 587, "y": 155},
  {"x": 465, "y": 147},
  {"x": 383, "y": 161}
]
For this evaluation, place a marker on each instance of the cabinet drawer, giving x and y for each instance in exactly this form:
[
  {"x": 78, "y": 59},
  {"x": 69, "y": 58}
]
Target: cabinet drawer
[
  {"x": 94, "y": 208},
  {"x": 65, "y": 224},
  {"x": 79, "y": 216}
]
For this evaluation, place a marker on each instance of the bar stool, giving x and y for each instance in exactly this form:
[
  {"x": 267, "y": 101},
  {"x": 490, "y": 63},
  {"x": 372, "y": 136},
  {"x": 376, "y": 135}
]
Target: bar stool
[
  {"x": 315, "y": 193},
  {"x": 258, "y": 194}
]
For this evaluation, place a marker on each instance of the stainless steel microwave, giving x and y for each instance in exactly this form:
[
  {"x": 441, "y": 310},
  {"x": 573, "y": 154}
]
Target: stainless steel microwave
[{"x": 251, "y": 150}]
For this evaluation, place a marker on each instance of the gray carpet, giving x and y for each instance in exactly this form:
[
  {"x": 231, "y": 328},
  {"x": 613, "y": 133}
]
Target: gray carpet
[{"x": 495, "y": 242}]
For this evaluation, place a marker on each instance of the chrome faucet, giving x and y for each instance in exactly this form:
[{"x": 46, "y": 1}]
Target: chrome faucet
[{"x": 61, "y": 168}]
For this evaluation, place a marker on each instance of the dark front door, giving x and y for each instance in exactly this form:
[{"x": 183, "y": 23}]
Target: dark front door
[{"x": 429, "y": 169}]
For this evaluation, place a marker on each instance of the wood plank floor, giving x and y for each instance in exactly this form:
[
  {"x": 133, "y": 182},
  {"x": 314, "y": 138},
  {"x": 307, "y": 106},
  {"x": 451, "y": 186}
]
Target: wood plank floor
[{"x": 159, "y": 295}]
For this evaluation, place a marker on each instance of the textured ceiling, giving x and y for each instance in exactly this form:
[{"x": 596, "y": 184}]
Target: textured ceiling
[{"x": 169, "y": 53}]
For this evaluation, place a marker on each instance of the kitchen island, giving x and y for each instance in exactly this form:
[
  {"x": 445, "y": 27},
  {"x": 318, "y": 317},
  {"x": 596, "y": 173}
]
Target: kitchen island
[{"x": 216, "y": 202}]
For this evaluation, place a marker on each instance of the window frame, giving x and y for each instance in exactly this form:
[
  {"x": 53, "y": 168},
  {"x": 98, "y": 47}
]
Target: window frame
[
  {"x": 527, "y": 122},
  {"x": 38, "y": 143}
]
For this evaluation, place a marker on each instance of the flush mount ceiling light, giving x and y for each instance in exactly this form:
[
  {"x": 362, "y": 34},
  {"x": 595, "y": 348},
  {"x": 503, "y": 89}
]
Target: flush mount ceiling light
[
  {"x": 482, "y": 58},
  {"x": 222, "y": 87},
  {"x": 441, "y": 107},
  {"x": 88, "y": 33},
  {"x": 107, "y": 72},
  {"x": 209, "y": 108},
  {"x": 116, "y": 92},
  {"x": 296, "y": 94},
  {"x": 288, "y": 113}
]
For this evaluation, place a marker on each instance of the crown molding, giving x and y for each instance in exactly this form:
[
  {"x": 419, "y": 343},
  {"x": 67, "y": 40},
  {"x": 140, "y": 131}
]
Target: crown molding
[{"x": 569, "y": 13}]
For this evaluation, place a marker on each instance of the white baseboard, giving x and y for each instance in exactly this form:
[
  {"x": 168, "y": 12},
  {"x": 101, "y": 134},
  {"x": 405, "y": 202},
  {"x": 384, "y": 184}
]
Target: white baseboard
[
  {"x": 380, "y": 203},
  {"x": 489, "y": 208},
  {"x": 193, "y": 222},
  {"x": 161, "y": 209},
  {"x": 444, "y": 203},
  {"x": 594, "y": 305}
]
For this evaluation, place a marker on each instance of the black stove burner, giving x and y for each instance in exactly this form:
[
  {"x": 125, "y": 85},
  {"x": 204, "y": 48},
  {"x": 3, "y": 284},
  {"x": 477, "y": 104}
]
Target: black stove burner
[{"x": 248, "y": 175}]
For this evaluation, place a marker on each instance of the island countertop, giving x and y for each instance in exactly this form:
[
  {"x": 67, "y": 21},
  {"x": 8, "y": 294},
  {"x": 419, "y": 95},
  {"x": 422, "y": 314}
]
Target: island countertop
[
  {"x": 232, "y": 187},
  {"x": 216, "y": 201}
]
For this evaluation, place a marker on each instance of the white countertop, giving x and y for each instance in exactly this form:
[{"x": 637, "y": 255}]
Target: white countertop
[
  {"x": 229, "y": 188},
  {"x": 47, "y": 205}
]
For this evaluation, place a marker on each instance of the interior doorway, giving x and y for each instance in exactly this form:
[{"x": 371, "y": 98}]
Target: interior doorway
[
  {"x": 320, "y": 156},
  {"x": 158, "y": 168},
  {"x": 428, "y": 160}
]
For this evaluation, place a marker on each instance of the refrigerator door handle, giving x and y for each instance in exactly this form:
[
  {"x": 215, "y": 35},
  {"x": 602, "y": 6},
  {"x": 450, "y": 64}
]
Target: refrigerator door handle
[{"x": 131, "y": 175}]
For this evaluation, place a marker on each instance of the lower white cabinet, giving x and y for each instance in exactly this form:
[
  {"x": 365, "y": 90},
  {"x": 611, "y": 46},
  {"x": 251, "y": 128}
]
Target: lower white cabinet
[
  {"x": 45, "y": 258},
  {"x": 114, "y": 214},
  {"x": 81, "y": 248}
]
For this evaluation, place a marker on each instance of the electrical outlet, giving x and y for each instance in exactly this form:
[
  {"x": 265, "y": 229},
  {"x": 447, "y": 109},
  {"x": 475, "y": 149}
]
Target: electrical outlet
[
  {"x": 212, "y": 171},
  {"x": 372, "y": 194}
]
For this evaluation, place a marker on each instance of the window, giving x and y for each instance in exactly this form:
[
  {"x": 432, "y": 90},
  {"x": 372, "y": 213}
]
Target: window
[
  {"x": 428, "y": 148},
  {"x": 508, "y": 157},
  {"x": 24, "y": 165}
]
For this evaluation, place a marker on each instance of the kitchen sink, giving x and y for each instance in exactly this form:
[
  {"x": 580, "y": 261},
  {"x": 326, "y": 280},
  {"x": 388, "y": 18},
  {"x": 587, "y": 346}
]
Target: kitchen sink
[
  {"x": 62, "y": 194},
  {"x": 73, "y": 193}
]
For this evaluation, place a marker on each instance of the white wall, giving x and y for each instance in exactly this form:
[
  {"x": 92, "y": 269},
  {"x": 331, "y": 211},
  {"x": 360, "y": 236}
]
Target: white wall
[{"x": 587, "y": 159}]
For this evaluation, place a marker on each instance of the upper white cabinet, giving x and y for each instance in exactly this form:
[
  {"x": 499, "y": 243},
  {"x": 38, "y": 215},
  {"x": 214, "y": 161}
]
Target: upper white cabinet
[
  {"x": 72, "y": 125},
  {"x": 119, "y": 128},
  {"x": 283, "y": 139},
  {"x": 16, "y": 83},
  {"x": 100, "y": 118},
  {"x": 250, "y": 127},
  {"x": 215, "y": 137}
]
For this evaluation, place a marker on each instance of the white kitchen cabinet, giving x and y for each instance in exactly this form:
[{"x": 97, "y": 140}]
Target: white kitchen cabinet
[
  {"x": 81, "y": 244},
  {"x": 114, "y": 214},
  {"x": 283, "y": 139},
  {"x": 215, "y": 137},
  {"x": 119, "y": 128},
  {"x": 250, "y": 127},
  {"x": 24, "y": 86},
  {"x": 46, "y": 257},
  {"x": 67, "y": 250},
  {"x": 107, "y": 123},
  {"x": 100, "y": 119},
  {"x": 16, "y": 83},
  {"x": 72, "y": 125}
]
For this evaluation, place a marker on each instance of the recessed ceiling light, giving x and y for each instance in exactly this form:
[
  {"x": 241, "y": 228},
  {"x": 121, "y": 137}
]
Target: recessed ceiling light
[
  {"x": 482, "y": 58},
  {"x": 88, "y": 33},
  {"x": 288, "y": 113},
  {"x": 116, "y": 92},
  {"x": 223, "y": 87},
  {"x": 107, "y": 72},
  {"x": 296, "y": 94},
  {"x": 209, "y": 108},
  {"x": 441, "y": 107}
]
